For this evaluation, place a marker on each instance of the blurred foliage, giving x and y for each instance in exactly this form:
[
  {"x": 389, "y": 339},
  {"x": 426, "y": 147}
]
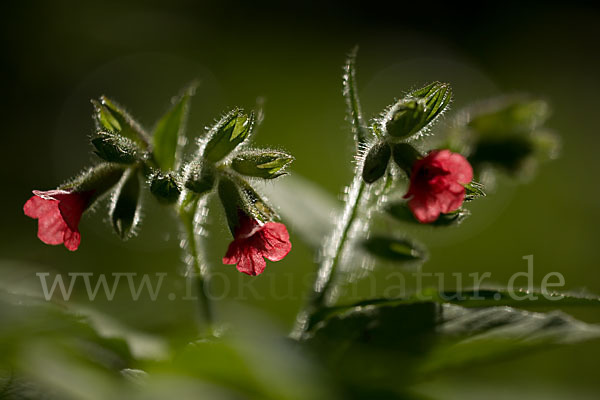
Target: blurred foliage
[{"x": 60, "y": 54}]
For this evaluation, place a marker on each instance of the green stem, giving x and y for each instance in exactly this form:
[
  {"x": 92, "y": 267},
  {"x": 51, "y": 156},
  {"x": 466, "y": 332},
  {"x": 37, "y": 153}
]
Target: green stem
[
  {"x": 350, "y": 92},
  {"x": 335, "y": 249},
  {"x": 332, "y": 258},
  {"x": 187, "y": 212}
]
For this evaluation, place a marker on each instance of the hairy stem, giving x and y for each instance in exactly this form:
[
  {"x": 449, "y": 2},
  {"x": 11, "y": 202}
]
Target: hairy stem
[
  {"x": 332, "y": 257},
  {"x": 350, "y": 92},
  {"x": 334, "y": 249},
  {"x": 197, "y": 271}
]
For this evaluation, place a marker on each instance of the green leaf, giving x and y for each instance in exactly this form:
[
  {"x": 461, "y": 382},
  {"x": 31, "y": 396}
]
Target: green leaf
[
  {"x": 266, "y": 164},
  {"x": 112, "y": 117},
  {"x": 227, "y": 134},
  {"x": 508, "y": 116},
  {"x": 126, "y": 205},
  {"x": 38, "y": 339},
  {"x": 305, "y": 206},
  {"x": 376, "y": 162},
  {"x": 508, "y": 152},
  {"x": 393, "y": 249},
  {"x": 473, "y": 336},
  {"x": 396, "y": 341},
  {"x": 169, "y": 134},
  {"x": 115, "y": 148},
  {"x": 417, "y": 110},
  {"x": 252, "y": 359}
]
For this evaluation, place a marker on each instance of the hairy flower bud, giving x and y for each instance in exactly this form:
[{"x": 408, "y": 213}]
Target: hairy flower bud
[
  {"x": 229, "y": 132},
  {"x": 266, "y": 164},
  {"x": 404, "y": 156},
  {"x": 115, "y": 148},
  {"x": 165, "y": 187},
  {"x": 200, "y": 179},
  {"x": 417, "y": 110},
  {"x": 125, "y": 206},
  {"x": 376, "y": 162}
]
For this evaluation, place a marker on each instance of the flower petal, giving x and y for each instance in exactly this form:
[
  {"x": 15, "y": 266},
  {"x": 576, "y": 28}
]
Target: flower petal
[
  {"x": 276, "y": 241},
  {"x": 451, "y": 199},
  {"x": 36, "y": 207},
  {"x": 425, "y": 208},
  {"x": 234, "y": 252},
  {"x": 459, "y": 168},
  {"x": 72, "y": 206},
  {"x": 51, "y": 227},
  {"x": 251, "y": 262},
  {"x": 71, "y": 239}
]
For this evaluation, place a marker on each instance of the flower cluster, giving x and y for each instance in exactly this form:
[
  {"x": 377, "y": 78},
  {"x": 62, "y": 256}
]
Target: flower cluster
[
  {"x": 130, "y": 155},
  {"x": 438, "y": 179}
]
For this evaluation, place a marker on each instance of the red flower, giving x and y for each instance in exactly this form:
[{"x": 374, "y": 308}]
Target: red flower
[
  {"x": 254, "y": 242},
  {"x": 58, "y": 213},
  {"x": 437, "y": 184}
]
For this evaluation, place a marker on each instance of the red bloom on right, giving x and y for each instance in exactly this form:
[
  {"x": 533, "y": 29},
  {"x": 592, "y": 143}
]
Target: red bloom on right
[
  {"x": 254, "y": 241},
  {"x": 437, "y": 184}
]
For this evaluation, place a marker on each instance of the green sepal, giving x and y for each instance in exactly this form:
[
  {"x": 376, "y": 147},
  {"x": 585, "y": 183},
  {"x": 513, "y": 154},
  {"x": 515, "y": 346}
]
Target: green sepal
[
  {"x": 113, "y": 118},
  {"x": 227, "y": 134},
  {"x": 474, "y": 190},
  {"x": 165, "y": 187},
  {"x": 405, "y": 156},
  {"x": 266, "y": 164},
  {"x": 393, "y": 249},
  {"x": 115, "y": 148},
  {"x": 400, "y": 212},
  {"x": 126, "y": 204},
  {"x": 376, "y": 162},
  {"x": 237, "y": 195},
  {"x": 98, "y": 179},
  {"x": 168, "y": 136}
]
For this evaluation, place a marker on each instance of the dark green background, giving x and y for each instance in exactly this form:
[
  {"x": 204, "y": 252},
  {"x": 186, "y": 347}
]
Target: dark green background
[{"x": 58, "y": 54}]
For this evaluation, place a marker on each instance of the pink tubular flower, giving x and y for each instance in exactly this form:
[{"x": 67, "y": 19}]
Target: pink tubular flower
[
  {"x": 58, "y": 213},
  {"x": 437, "y": 184},
  {"x": 254, "y": 242}
]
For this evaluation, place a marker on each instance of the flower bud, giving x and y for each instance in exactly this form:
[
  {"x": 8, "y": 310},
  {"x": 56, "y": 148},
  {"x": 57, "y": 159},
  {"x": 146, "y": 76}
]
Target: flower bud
[
  {"x": 125, "y": 206},
  {"x": 406, "y": 118},
  {"x": 376, "y": 162},
  {"x": 393, "y": 249},
  {"x": 229, "y": 132},
  {"x": 418, "y": 109},
  {"x": 200, "y": 179},
  {"x": 165, "y": 187},
  {"x": 113, "y": 118},
  {"x": 115, "y": 148},
  {"x": 262, "y": 164},
  {"x": 404, "y": 156}
]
